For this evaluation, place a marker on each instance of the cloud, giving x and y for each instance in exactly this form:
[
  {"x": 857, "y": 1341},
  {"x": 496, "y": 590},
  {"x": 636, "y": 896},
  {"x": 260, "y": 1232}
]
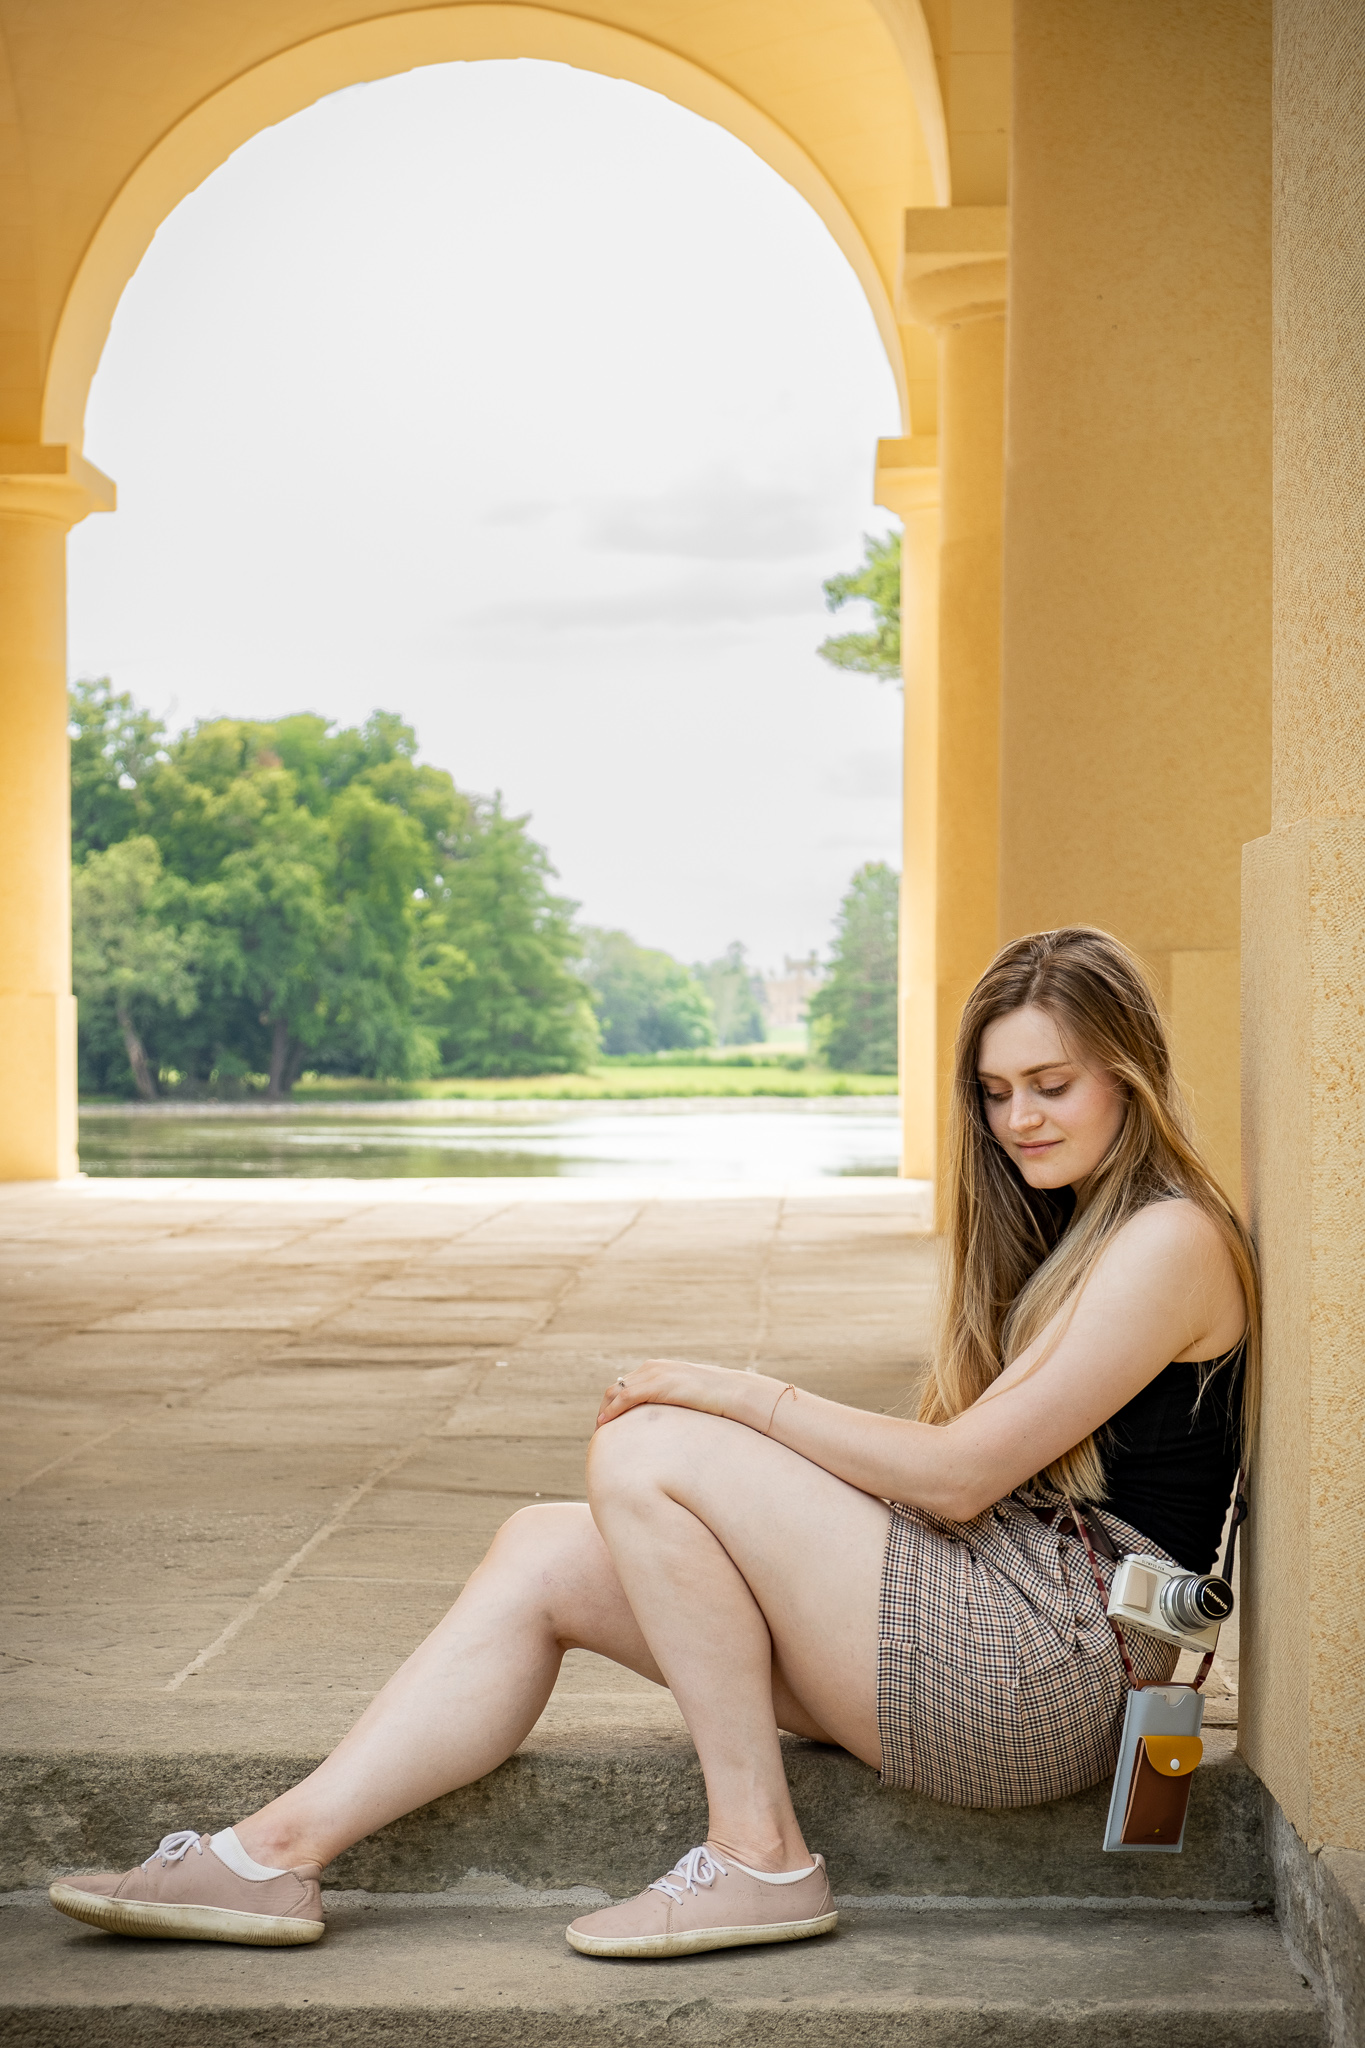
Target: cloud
[
  {"x": 717, "y": 518},
  {"x": 719, "y": 597}
]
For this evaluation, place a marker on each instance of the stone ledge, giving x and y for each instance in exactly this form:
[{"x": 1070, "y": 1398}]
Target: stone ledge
[
  {"x": 1321, "y": 1905},
  {"x": 607, "y": 1793},
  {"x": 407, "y": 1977}
]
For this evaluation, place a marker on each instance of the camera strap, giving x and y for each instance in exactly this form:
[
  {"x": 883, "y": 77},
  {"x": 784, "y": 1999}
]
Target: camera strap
[
  {"x": 1239, "y": 1515},
  {"x": 1083, "y": 1531}
]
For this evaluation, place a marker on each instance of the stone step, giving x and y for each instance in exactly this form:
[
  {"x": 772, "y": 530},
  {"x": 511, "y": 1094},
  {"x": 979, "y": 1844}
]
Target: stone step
[
  {"x": 417, "y": 1973},
  {"x": 607, "y": 1793}
]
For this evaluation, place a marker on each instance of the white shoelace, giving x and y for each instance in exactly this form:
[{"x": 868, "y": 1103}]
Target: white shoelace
[
  {"x": 697, "y": 1867},
  {"x": 172, "y": 1847}
]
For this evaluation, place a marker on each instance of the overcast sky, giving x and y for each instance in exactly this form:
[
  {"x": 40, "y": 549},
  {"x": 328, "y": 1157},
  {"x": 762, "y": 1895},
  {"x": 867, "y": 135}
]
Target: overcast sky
[{"x": 531, "y": 406}]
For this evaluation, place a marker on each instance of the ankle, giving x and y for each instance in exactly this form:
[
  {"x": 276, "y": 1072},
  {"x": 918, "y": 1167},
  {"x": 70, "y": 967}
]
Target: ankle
[
  {"x": 281, "y": 1848},
  {"x": 774, "y": 1853}
]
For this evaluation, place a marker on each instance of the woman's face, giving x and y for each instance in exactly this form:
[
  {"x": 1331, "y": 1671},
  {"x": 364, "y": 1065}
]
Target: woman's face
[{"x": 1053, "y": 1115}]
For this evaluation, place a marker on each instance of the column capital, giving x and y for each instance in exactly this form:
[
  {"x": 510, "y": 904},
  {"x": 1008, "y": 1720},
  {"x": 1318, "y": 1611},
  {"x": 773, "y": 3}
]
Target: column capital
[
  {"x": 49, "y": 480},
  {"x": 952, "y": 265},
  {"x": 906, "y": 476}
]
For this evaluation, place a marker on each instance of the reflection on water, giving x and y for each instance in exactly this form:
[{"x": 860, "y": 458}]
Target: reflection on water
[{"x": 685, "y": 1141}]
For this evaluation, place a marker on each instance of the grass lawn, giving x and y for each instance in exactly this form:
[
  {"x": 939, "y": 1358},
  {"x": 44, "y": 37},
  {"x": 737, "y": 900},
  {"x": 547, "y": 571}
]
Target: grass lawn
[{"x": 612, "y": 1081}]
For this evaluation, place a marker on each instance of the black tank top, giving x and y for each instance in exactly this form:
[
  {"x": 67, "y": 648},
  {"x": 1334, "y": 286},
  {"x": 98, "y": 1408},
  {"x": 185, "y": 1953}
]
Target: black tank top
[{"x": 1170, "y": 1466}]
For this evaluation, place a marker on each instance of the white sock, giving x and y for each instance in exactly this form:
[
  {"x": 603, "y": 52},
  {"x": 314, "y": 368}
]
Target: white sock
[
  {"x": 229, "y": 1850},
  {"x": 775, "y": 1876}
]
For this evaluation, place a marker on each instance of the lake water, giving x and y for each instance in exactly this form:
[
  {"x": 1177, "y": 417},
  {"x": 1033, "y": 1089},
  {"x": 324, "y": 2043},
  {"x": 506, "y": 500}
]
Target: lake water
[{"x": 765, "y": 1140}]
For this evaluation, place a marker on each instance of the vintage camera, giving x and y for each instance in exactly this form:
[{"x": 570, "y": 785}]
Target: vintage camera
[{"x": 1183, "y": 1607}]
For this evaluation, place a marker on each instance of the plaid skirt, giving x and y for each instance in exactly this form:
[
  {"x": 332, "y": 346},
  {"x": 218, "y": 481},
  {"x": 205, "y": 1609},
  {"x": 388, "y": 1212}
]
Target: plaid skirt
[{"x": 999, "y": 1681}]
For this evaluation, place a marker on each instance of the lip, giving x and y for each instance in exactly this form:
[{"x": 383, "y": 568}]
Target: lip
[{"x": 1043, "y": 1145}]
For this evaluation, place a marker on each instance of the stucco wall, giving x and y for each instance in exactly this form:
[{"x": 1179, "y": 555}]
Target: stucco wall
[
  {"x": 1304, "y": 1630},
  {"x": 1135, "y": 717}
]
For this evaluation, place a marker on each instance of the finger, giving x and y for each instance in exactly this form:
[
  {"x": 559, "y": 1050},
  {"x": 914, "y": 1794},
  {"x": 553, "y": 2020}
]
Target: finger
[{"x": 614, "y": 1401}]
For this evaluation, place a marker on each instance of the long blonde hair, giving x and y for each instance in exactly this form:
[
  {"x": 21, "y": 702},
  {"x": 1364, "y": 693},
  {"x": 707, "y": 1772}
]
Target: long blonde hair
[{"x": 1017, "y": 1256}]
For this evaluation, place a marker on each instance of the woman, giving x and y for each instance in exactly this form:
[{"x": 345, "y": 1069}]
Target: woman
[{"x": 913, "y": 1590}]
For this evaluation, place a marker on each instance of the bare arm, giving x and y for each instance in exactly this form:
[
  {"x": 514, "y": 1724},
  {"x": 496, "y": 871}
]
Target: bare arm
[{"x": 1164, "y": 1289}]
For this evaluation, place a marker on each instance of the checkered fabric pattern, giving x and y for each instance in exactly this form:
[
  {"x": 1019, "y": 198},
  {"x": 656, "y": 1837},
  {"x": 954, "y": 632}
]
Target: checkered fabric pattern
[{"x": 999, "y": 1681}]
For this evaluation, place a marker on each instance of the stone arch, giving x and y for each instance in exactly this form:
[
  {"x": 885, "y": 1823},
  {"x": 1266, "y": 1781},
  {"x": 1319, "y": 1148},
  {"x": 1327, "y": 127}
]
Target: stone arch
[{"x": 293, "y": 79}]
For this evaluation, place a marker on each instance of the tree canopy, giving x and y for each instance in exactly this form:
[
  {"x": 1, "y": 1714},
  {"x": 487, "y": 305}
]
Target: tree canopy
[
  {"x": 876, "y": 583},
  {"x": 736, "y": 994},
  {"x": 853, "y": 1016},
  {"x": 129, "y": 962},
  {"x": 261, "y": 897},
  {"x": 646, "y": 1001}
]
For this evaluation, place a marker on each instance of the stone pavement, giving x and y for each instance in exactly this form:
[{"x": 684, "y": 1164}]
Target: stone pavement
[
  {"x": 442, "y": 1973},
  {"x": 257, "y": 1434}
]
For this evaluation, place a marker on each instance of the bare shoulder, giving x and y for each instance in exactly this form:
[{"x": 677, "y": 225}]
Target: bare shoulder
[
  {"x": 1173, "y": 1229},
  {"x": 1173, "y": 1249}
]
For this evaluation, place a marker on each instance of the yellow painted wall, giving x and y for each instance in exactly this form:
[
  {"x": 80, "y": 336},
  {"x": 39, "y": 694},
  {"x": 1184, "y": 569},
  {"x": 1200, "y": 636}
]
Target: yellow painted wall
[
  {"x": 972, "y": 438},
  {"x": 1136, "y": 710},
  {"x": 953, "y": 285},
  {"x": 116, "y": 114},
  {"x": 907, "y": 483},
  {"x": 1303, "y": 1633},
  {"x": 41, "y": 493}
]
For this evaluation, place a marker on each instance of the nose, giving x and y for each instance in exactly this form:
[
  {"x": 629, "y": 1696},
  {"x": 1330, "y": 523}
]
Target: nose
[{"x": 1023, "y": 1116}]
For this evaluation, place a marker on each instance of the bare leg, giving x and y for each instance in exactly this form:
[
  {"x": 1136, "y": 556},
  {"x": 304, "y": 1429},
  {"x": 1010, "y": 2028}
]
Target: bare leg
[
  {"x": 468, "y": 1695},
  {"x": 797, "y": 1651},
  {"x": 740, "y": 1561}
]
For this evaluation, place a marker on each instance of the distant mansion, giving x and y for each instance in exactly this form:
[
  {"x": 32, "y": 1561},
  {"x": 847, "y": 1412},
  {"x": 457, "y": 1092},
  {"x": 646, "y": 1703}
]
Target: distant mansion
[{"x": 786, "y": 995}]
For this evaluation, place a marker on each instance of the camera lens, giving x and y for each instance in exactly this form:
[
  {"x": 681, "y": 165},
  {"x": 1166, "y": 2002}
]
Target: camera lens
[{"x": 1194, "y": 1601}]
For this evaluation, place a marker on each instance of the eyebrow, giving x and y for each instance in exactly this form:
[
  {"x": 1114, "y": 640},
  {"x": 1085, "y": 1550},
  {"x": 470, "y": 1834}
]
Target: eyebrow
[{"x": 1043, "y": 1067}]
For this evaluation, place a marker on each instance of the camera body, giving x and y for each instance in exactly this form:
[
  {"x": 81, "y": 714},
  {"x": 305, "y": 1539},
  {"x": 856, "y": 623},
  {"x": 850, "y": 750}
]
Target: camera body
[{"x": 1182, "y": 1607}]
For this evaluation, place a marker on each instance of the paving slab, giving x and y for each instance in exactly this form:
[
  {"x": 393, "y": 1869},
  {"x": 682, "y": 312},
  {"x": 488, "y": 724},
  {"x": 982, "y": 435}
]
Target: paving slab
[
  {"x": 201, "y": 1381},
  {"x": 408, "y": 1973}
]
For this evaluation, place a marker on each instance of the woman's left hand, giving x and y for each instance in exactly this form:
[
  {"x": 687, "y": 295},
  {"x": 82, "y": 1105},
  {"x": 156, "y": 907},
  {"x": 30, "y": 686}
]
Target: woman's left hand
[{"x": 679, "y": 1383}]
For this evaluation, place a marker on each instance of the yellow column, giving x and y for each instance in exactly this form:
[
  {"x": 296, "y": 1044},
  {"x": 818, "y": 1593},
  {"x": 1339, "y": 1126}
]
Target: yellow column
[
  {"x": 907, "y": 484},
  {"x": 1303, "y": 1631},
  {"x": 953, "y": 283},
  {"x": 43, "y": 491},
  {"x": 1135, "y": 710}
]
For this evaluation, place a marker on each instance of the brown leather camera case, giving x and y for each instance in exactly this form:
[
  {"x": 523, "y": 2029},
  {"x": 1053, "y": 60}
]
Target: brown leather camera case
[{"x": 1160, "y": 1790}]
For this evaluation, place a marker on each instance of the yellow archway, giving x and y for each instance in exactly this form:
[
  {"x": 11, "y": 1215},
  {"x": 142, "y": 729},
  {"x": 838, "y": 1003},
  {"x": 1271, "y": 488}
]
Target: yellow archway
[
  {"x": 122, "y": 119},
  {"x": 295, "y": 78}
]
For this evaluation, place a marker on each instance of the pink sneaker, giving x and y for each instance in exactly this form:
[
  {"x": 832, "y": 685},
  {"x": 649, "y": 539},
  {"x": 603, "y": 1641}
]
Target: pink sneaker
[
  {"x": 704, "y": 1903},
  {"x": 185, "y": 1892}
]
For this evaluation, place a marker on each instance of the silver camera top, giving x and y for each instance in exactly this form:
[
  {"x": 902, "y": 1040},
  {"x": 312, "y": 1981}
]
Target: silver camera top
[{"x": 1182, "y": 1607}]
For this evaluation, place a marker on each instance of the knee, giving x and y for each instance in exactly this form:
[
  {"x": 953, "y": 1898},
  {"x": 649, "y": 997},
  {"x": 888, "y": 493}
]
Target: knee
[
  {"x": 638, "y": 1452},
  {"x": 539, "y": 1541}
]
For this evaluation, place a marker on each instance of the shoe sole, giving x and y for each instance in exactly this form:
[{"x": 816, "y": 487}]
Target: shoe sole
[
  {"x": 183, "y": 1923},
  {"x": 698, "y": 1939}
]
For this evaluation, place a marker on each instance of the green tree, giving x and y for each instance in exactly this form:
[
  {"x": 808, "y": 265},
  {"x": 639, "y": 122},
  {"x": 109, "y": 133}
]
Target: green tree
[
  {"x": 115, "y": 746},
  {"x": 878, "y": 584},
  {"x": 736, "y": 994},
  {"x": 126, "y": 959},
  {"x": 351, "y": 910},
  {"x": 853, "y": 1016},
  {"x": 646, "y": 1001},
  {"x": 502, "y": 946},
  {"x": 307, "y": 851}
]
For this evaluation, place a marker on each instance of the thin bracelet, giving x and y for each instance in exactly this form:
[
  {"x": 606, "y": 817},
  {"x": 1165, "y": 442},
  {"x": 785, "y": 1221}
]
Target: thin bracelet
[{"x": 788, "y": 1389}]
